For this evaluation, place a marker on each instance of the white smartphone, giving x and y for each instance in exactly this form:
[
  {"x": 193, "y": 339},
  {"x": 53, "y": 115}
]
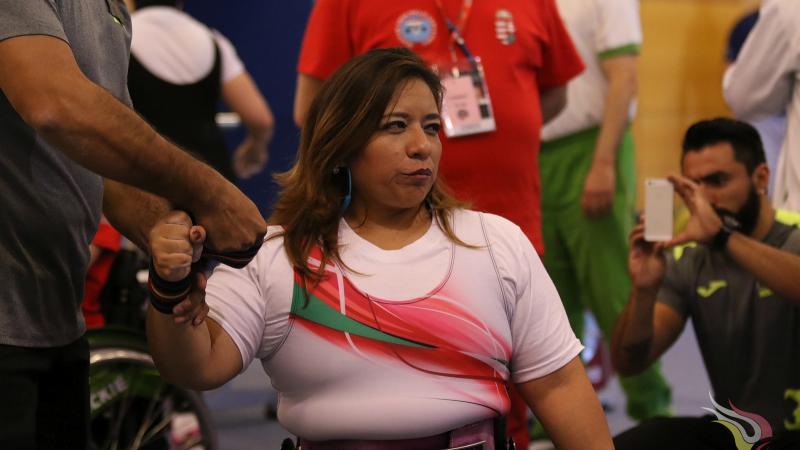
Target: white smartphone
[{"x": 658, "y": 199}]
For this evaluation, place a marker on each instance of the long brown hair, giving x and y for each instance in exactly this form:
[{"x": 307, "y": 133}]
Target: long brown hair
[{"x": 341, "y": 120}]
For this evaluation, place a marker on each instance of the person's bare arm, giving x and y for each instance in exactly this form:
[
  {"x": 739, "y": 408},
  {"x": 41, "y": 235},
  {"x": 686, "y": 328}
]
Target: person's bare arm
[
  {"x": 774, "y": 268},
  {"x": 131, "y": 211},
  {"x": 187, "y": 350},
  {"x": 307, "y": 89},
  {"x": 643, "y": 332},
  {"x": 646, "y": 328},
  {"x": 44, "y": 84},
  {"x": 244, "y": 98},
  {"x": 600, "y": 182},
  {"x": 198, "y": 357},
  {"x": 553, "y": 102},
  {"x": 566, "y": 404}
]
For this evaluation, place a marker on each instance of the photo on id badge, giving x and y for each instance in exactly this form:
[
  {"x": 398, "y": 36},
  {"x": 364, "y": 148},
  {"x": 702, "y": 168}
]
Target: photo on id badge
[{"x": 466, "y": 106}]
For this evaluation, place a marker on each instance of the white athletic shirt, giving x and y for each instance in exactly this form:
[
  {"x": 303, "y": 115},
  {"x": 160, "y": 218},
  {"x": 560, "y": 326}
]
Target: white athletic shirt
[
  {"x": 177, "y": 48},
  {"x": 764, "y": 81},
  {"x": 599, "y": 29},
  {"x": 419, "y": 343}
]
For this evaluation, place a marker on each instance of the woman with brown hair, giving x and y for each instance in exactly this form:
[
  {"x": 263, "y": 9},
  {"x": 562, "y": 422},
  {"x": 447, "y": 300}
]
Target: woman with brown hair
[{"x": 385, "y": 314}]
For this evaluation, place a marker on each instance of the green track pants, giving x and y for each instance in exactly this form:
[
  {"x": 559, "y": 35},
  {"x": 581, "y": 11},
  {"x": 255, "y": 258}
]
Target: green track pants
[{"x": 587, "y": 258}]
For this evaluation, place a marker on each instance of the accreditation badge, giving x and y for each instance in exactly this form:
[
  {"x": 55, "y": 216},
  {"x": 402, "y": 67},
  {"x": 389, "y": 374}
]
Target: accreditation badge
[{"x": 466, "y": 106}]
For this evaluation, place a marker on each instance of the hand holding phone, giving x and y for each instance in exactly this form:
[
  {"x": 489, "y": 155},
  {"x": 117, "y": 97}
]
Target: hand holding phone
[{"x": 658, "y": 205}]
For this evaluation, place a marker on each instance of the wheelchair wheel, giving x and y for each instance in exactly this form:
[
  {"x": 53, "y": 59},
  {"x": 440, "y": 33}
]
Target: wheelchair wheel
[{"x": 132, "y": 407}]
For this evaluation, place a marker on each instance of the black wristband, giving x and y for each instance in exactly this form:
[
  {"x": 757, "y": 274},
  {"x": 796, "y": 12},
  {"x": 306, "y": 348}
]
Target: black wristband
[
  {"x": 162, "y": 306},
  {"x": 729, "y": 225},
  {"x": 720, "y": 240},
  {"x": 237, "y": 259},
  {"x": 164, "y": 295}
]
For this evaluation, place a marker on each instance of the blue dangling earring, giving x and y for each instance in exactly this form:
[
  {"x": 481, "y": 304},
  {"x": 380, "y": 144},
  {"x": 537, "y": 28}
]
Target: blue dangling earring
[{"x": 348, "y": 195}]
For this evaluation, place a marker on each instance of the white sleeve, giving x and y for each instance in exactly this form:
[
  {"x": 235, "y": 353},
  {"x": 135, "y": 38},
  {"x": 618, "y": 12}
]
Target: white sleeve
[
  {"x": 231, "y": 65},
  {"x": 542, "y": 340},
  {"x": 252, "y": 304},
  {"x": 760, "y": 83},
  {"x": 619, "y": 27}
]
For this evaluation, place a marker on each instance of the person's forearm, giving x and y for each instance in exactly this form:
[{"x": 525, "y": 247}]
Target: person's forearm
[
  {"x": 567, "y": 406},
  {"x": 262, "y": 128},
  {"x": 54, "y": 97},
  {"x": 245, "y": 99},
  {"x": 258, "y": 138},
  {"x": 776, "y": 269},
  {"x": 620, "y": 95},
  {"x": 105, "y": 136},
  {"x": 132, "y": 212},
  {"x": 632, "y": 340},
  {"x": 44, "y": 84},
  {"x": 307, "y": 88},
  {"x": 181, "y": 351}
]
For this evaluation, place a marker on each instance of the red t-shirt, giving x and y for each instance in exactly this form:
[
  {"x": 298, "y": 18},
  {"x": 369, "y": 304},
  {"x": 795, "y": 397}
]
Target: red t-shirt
[
  {"x": 108, "y": 239},
  {"x": 524, "y": 48}
]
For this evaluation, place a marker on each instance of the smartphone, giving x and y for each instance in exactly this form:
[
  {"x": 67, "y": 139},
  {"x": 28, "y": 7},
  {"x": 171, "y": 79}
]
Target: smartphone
[{"x": 658, "y": 203}]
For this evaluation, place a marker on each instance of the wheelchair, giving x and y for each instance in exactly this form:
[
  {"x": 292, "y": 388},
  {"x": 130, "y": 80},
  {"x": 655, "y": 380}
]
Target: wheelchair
[{"x": 132, "y": 406}]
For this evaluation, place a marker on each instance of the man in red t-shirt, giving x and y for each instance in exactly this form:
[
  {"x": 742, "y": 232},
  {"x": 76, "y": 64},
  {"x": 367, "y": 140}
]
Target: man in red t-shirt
[{"x": 527, "y": 58}]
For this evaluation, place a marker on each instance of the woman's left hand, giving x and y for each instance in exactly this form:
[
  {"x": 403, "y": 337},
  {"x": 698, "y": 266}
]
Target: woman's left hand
[{"x": 193, "y": 308}]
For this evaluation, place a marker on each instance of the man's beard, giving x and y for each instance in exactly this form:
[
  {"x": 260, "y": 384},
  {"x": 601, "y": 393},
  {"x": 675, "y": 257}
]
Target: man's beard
[{"x": 747, "y": 216}]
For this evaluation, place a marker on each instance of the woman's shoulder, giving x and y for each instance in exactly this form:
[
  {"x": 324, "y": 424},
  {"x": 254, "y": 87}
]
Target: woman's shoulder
[
  {"x": 273, "y": 244},
  {"x": 492, "y": 223},
  {"x": 481, "y": 228},
  {"x": 274, "y": 231},
  {"x": 275, "y": 236}
]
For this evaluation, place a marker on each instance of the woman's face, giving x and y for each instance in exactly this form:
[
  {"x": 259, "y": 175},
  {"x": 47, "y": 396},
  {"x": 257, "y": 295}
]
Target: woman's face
[{"x": 399, "y": 164}]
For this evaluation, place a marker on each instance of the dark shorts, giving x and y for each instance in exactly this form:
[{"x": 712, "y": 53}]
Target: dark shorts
[{"x": 44, "y": 397}]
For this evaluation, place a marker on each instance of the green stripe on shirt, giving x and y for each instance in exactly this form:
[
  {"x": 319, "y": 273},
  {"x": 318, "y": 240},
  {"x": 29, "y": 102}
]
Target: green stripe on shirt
[
  {"x": 787, "y": 217},
  {"x": 315, "y": 310},
  {"x": 629, "y": 49}
]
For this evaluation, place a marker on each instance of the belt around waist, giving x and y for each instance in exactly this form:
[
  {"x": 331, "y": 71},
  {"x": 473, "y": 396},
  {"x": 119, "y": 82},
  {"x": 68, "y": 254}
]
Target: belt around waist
[{"x": 476, "y": 436}]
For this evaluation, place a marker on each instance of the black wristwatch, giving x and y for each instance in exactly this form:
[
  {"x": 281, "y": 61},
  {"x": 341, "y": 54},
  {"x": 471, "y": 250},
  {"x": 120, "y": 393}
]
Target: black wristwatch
[{"x": 729, "y": 225}]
